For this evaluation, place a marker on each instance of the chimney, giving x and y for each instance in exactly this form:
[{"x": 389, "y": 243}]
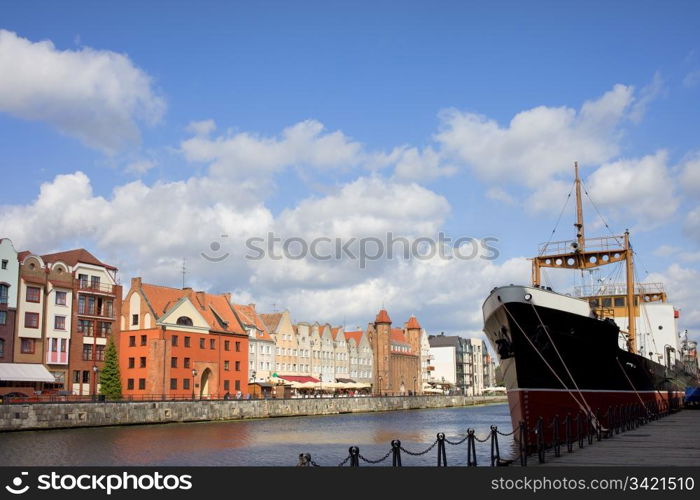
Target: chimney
[
  {"x": 135, "y": 283},
  {"x": 252, "y": 306},
  {"x": 228, "y": 296}
]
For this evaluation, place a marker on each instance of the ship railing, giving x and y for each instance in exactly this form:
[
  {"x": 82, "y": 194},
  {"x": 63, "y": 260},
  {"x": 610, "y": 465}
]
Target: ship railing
[
  {"x": 605, "y": 289},
  {"x": 546, "y": 437},
  {"x": 601, "y": 244}
]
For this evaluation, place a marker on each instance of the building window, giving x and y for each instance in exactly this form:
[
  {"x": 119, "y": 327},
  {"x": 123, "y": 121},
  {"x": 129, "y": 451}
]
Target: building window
[
  {"x": 142, "y": 384},
  {"x": 619, "y": 302},
  {"x": 187, "y": 341},
  {"x": 100, "y": 353},
  {"x": 132, "y": 340},
  {"x": 131, "y": 362},
  {"x": 105, "y": 328},
  {"x": 2, "y": 348},
  {"x": 83, "y": 278},
  {"x": 186, "y": 363},
  {"x": 227, "y": 385},
  {"x": 185, "y": 383},
  {"x": 201, "y": 343},
  {"x": 173, "y": 384},
  {"x": 212, "y": 344},
  {"x": 237, "y": 385},
  {"x": 173, "y": 362},
  {"x": 238, "y": 346},
  {"x": 85, "y": 327},
  {"x": 142, "y": 362},
  {"x": 86, "y": 377},
  {"x": 144, "y": 339},
  {"x": 227, "y": 345},
  {"x": 76, "y": 376},
  {"x": 87, "y": 352},
  {"x": 31, "y": 320},
  {"x": 59, "y": 323},
  {"x": 184, "y": 321},
  {"x": 173, "y": 340},
  {"x": 226, "y": 365},
  {"x": 61, "y": 298},
  {"x": 134, "y": 319},
  {"x": 3, "y": 317},
  {"x": 4, "y": 263},
  {"x": 95, "y": 282},
  {"x": 238, "y": 366},
  {"x": 3, "y": 294},
  {"x": 130, "y": 384},
  {"x": 33, "y": 294}
]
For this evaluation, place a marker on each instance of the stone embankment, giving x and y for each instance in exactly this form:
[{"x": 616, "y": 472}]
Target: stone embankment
[{"x": 33, "y": 416}]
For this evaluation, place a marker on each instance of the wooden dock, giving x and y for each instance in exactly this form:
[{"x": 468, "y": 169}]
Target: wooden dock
[{"x": 673, "y": 440}]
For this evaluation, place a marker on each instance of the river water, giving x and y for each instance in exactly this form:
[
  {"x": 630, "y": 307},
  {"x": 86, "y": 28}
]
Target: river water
[{"x": 263, "y": 442}]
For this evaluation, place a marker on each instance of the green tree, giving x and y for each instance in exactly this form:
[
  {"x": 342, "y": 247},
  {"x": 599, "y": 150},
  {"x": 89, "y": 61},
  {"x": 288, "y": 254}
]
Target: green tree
[{"x": 110, "y": 379}]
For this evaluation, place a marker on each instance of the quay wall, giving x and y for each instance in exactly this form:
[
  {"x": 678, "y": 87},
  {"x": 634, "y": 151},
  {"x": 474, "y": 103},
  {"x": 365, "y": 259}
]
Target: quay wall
[{"x": 34, "y": 416}]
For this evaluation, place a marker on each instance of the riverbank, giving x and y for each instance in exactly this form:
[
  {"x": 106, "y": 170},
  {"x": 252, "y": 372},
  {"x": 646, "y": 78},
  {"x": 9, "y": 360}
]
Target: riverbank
[{"x": 20, "y": 417}]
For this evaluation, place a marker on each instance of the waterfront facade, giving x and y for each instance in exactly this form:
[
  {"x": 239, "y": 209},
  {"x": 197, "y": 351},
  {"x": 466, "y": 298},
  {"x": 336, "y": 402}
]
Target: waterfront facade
[
  {"x": 181, "y": 343},
  {"x": 9, "y": 282},
  {"x": 261, "y": 345},
  {"x": 396, "y": 356},
  {"x": 461, "y": 364}
]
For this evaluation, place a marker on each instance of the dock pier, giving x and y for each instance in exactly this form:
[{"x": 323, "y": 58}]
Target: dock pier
[{"x": 670, "y": 441}]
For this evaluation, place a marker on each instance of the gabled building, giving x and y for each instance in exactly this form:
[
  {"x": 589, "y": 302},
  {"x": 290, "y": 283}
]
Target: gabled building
[
  {"x": 181, "y": 343},
  {"x": 261, "y": 345},
  {"x": 396, "y": 362},
  {"x": 360, "y": 354},
  {"x": 9, "y": 283},
  {"x": 279, "y": 326}
]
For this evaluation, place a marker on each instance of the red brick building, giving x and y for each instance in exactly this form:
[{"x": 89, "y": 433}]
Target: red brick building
[
  {"x": 396, "y": 353},
  {"x": 181, "y": 343}
]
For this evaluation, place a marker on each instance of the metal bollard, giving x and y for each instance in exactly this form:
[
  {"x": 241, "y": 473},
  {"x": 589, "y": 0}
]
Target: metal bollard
[
  {"x": 396, "y": 453},
  {"x": 442, "y": 456},
  {"x": 555, "y": 436},
  {"x": 354, "y": 456},
  {"x": 495, "y": 452}
]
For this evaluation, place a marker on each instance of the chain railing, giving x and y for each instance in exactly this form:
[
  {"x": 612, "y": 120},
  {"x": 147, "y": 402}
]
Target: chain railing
[{"x": 581, "y": 428}]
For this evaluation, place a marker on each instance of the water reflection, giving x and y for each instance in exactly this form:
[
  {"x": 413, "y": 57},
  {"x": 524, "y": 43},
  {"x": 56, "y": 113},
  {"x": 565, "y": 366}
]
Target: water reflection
[{"x": 266, "y": 442}]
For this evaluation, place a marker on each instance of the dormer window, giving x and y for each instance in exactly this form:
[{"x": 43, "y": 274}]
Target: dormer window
[{"x": 184, "y": 321}]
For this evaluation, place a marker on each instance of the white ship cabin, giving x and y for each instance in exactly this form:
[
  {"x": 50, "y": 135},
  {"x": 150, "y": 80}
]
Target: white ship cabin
[{"x": 656, "y": 320}]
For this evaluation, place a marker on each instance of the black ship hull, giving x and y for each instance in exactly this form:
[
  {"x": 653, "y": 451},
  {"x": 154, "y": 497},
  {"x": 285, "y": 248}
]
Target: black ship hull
[{"x": 558, "y": 361}]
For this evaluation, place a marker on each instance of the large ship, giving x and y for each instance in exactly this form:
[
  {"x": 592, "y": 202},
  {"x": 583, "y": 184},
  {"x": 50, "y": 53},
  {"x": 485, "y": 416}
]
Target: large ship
[{"x": 565, "y": 354}]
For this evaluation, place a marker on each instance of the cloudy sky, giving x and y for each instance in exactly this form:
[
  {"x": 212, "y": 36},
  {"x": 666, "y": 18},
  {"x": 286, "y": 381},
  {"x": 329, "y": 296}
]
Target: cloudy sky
[{"x": 150, "y": 133}]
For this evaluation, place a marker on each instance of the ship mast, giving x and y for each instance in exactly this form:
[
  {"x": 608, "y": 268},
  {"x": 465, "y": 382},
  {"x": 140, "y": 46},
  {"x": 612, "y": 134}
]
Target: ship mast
[{"x": 597, "y": 252}]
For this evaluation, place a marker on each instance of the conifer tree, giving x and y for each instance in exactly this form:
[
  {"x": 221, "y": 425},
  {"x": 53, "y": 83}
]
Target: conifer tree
[{"x": 110, "y": 379}]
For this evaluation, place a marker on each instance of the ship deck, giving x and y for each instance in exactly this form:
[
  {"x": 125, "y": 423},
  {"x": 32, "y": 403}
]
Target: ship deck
[{"x": 672, "y": 440}]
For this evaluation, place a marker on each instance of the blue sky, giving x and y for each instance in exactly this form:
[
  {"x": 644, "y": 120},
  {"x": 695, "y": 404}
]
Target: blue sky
[{"x": 418, "y": 117}]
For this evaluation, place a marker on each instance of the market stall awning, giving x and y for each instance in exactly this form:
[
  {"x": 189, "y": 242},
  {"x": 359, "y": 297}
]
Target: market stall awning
[
  {"x": 25, "y": 372},
  {"x": 299, "y": 378}
]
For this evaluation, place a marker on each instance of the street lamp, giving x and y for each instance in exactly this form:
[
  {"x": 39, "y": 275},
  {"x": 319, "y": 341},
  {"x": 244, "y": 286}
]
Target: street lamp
[
  {"x": 94, "y": 381},
  {"x": 194, "y": 374},
  {"x": 414, "y": 385}
]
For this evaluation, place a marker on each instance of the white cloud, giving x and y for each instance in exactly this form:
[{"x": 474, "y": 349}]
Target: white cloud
[
  {"x": 140, "y": 167},
  {"x": 641, "y": 188},
  {"x": 414, "y": 164},
  {"x": 691, "y": 226},
  {"x": 666, "y": 251},
  {"x": 647, "y": 95},
  {"x": 538, "y": 143},
  {"x": 499, "y": 194},
  {"x": 692, "y": 79},
  {"x": 96, "y": 96},
  {"x": 244, "y": 155},
  {"x": 681, "y": 286},
  {"x": 690, "y": 174}
]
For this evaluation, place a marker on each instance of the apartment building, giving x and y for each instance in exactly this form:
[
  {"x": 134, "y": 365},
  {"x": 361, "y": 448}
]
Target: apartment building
[
  {"x": 9, "y": 282},
  {"x": 181, "y": 343},
  {"x": 261, "y": 345}
]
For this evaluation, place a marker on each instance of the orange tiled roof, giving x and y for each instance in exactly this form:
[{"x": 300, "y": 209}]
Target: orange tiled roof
[
  {"x": 249, "y": 317},
  {"x": 413, "y": 323},
  {"x": 271, "y": 320},
  {"x": 72, "y": 257},
  {"x": 383, "y": 317},
  {"x": 357, "y": 335},
  {"x": 397, "y": 335},
  {"x": 219, "y": 304},
  {"x": 161, "y": 298},
  {"x": 334, "y": 332}
]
